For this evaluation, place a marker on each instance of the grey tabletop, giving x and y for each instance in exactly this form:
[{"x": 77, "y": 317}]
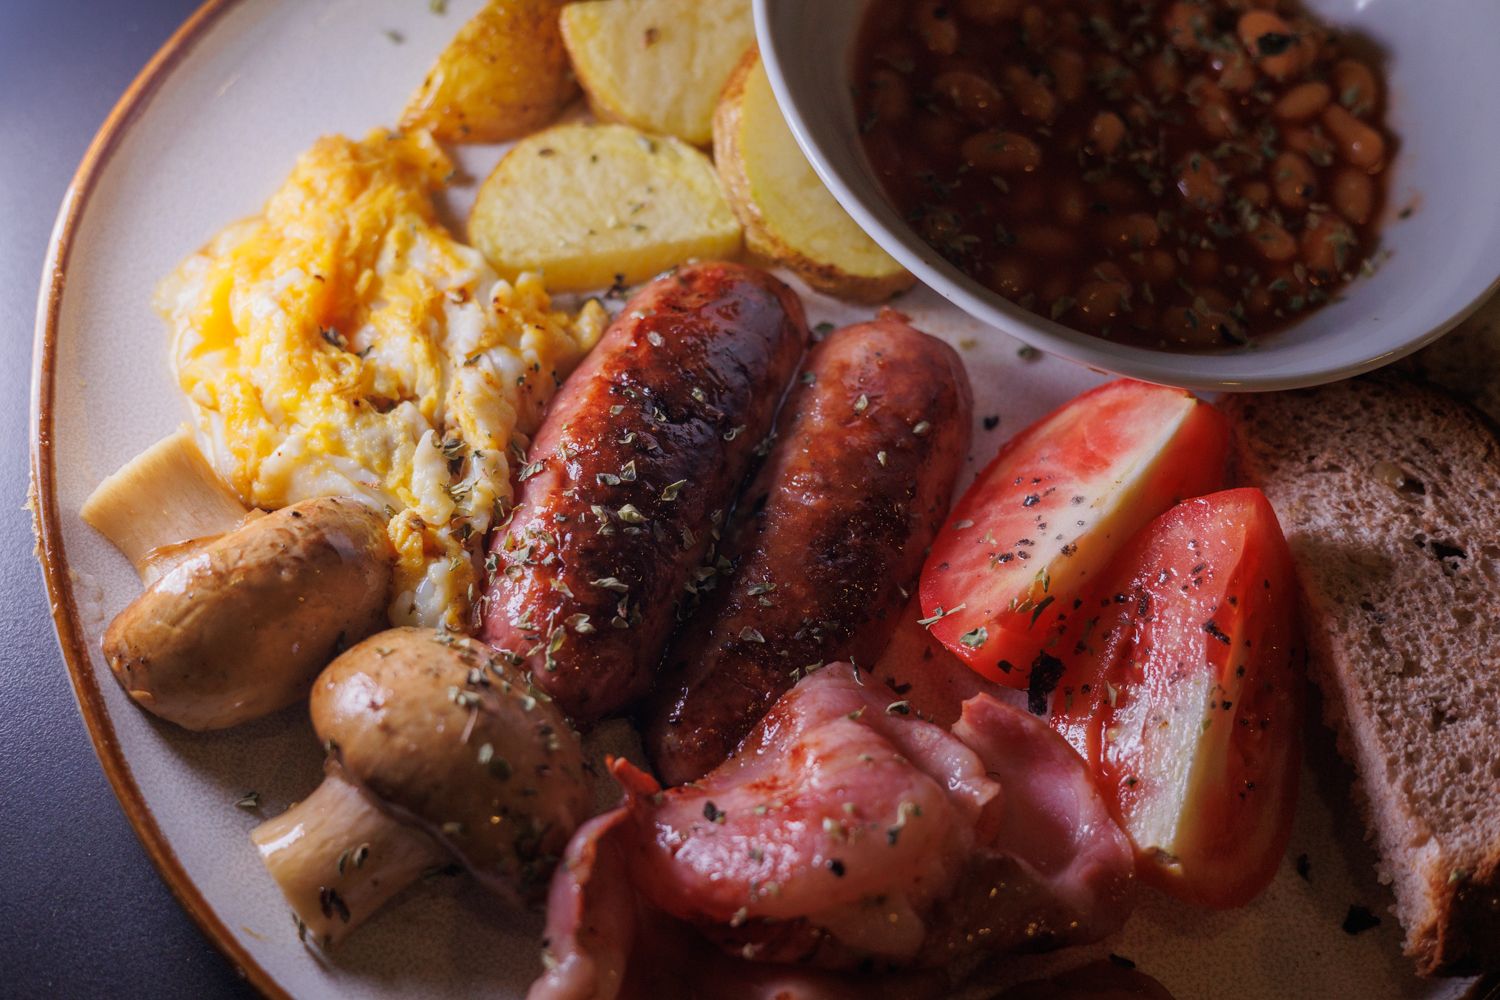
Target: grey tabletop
[{"x": 82, "y": 911}]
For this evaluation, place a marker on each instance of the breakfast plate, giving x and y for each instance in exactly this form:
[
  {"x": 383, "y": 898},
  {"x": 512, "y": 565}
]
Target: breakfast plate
[{"x": 207, "y": 131}]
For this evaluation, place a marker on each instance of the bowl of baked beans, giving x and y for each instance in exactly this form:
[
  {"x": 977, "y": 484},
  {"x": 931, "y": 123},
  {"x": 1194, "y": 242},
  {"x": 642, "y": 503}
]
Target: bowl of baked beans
[{"x": 1218, "y": 194}]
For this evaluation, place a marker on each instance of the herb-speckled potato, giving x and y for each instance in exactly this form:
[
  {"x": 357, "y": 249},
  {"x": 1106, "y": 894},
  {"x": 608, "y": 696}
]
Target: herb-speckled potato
[
  {"x": 657, "y": 64},
  {"x": 789, "y": 217},
  {"x": 590, "y": 206},
  {"x": 504, "y": 74}
]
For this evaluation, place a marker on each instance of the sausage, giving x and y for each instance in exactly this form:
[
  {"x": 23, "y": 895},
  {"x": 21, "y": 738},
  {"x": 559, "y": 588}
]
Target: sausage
[
  {"x": 630, "y": 477},
  {"x": 829, "y": 539}
]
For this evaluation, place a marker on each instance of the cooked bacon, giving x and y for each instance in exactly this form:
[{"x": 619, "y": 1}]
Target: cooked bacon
[
  {"x": 843, "y": 831},
  {"x": 1056, "y": 868}
]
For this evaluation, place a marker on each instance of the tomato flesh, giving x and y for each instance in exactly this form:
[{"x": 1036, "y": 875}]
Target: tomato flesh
[
  {"x": 1050, "y": 511},
  {"x": 1183, "y": 692}
]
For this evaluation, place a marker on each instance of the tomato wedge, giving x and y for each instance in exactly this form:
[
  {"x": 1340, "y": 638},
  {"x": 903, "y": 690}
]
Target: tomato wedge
[
  {"x": 1183, "y": 692},
  {"x": 1050, "y": 511}
]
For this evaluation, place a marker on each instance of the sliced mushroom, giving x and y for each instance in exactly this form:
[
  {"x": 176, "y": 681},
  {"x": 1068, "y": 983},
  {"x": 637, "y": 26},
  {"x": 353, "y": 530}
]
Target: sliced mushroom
[
  {"x": 243, "y": 624},
  {"x": 437, "y": 747}
]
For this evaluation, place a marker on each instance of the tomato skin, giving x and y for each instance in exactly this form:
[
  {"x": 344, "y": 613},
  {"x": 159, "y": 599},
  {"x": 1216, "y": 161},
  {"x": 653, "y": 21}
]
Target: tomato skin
[
  {"x": 1050, "y": 510},
  {"x": 1184, "y": 693}
]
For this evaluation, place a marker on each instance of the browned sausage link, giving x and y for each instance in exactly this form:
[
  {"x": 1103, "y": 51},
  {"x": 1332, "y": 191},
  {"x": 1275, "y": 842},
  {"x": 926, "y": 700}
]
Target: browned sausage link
[
  {"x": 834, "y": 526},
  {"x": 627, "y": 482}
]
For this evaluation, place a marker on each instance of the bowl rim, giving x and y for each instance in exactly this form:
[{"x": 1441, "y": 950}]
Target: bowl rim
[{"x": 1205, "y": 371}]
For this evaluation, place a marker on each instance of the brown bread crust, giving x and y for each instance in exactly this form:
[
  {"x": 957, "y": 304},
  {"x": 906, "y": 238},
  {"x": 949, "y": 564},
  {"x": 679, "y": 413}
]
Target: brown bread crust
[{"x": 1389, "y": 493}]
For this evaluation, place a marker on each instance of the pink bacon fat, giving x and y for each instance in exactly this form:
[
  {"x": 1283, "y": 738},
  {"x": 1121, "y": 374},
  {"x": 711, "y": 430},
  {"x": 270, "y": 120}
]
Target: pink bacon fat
[{"x": 845, "y": 831}]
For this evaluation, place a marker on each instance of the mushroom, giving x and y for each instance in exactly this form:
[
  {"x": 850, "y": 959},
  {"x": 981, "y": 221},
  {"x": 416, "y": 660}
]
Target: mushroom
[
  {"x": 242, "y": 609},
  {"x": 242, "y": 626},
  {"x": 438, "y": 748},
  {"x": 162, "y": 505}
]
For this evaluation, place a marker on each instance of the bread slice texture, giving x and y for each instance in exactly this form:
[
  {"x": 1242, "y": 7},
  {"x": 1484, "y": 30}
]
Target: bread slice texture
[{"x": 1389, "y": 494}]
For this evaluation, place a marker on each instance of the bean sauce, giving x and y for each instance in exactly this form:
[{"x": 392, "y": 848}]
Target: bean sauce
[{"x": 1182, "y": 175}]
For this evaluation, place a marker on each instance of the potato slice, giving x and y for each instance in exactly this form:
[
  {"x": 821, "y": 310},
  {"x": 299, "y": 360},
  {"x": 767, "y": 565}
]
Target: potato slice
[
  {"x": 789, "y": 217},
  {"x": 657, "y": 64},
  {"x": 504, "y": 74},
  {"x": 594, "y": 205}
]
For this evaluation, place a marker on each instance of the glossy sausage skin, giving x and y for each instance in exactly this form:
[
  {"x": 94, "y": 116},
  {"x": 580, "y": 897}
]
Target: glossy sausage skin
[
  {"x": 828, "y": 540},
  {"x": 627, "y": 483}
]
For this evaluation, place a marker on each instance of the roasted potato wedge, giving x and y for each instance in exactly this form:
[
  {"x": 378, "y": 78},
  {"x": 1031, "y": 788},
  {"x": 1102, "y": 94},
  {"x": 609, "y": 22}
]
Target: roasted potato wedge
[
  {"x": 657, "y": 64},
  {"x": 789, "y": 217},
  {"x": 590, "y": 206},
  {"x": 504, "y": 74}
]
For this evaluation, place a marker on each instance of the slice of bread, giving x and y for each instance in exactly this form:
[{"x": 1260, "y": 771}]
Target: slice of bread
[{"x": 1389, "y": 494}]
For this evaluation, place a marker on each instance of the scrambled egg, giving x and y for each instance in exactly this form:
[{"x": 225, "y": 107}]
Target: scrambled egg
[{"x": 342, "y": 342}]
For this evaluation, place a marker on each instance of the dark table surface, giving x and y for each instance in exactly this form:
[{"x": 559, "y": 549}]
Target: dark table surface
[{"x": 82, "y": 911}]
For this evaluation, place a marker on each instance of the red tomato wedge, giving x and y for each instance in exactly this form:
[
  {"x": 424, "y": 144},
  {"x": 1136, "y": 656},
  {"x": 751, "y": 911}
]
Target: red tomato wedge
[
  {"x": 1049, "y": 512},
  {"x": 1183, "y": 692}
]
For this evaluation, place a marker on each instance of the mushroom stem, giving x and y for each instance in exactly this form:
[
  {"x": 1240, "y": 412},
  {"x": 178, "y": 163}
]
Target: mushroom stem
[
  {"x": 338, "y": 857},
  {"x": 158, "y": 507}
]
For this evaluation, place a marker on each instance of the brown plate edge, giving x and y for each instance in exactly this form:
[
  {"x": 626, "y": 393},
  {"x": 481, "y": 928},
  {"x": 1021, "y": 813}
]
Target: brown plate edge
[
  {"x": 47, "y": 526},
  {"x": 47, "y": 523}
]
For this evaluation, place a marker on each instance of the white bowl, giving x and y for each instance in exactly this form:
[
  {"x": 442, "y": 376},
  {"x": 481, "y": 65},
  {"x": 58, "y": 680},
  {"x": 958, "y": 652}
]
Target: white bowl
[{"x": 1444, "y": 258}]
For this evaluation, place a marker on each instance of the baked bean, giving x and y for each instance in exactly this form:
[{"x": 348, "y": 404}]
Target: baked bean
[
  {"x": 971, "y": 95},
  {"x": 1011, "y": 277},
  {"x": 1033, "y": 97},
  {"x": 1328, "y": 248},
  {"x": 1198, "y": 180},
  {"x": 1258, "y": 301},
  {"x": 1189, "y": 24},
  {"x": 1001, "y": 152},
  {"x": 1354, "y": 195},
  {"x": 1108, "y": 270},
  {"x": 1106, "y": 132},
  {"x": 1164, "y": 72},
  {"x": 1257, "y": 193},
  {"x": 1294, "y": 179},
  {"x": 1069, "y": 73},
  {"x": 1212, "y": 108},
  {"x": 1156, "y": 267},
  {"x": 1236, "y": 72},
  {"x": 1100, "y": 301},
  {"x": 1357, "y": 89},
  {"x": 1111, "y": 75},
  {"x": 1311, "y": 143},
  {"x": 1046, "y": 241},
  {"x": 1357, "y": 144},
  {"x": 1271, "y": 43},
  {"x": 1272, "y": 242},
  {"x": 1037, "y": 29},
  {"x": 1072, "y": 204},
  {"x": 890, "y": 97},
  {"x": 990, "y": 12},
  {"x": 1303, "y": 102},
  {"x": 936, "y": 27},
  {"x": 1132, "y": 232}
]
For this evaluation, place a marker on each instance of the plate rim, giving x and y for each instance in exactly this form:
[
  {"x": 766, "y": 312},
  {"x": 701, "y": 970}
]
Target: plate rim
[{"x": 51, "y": 551}]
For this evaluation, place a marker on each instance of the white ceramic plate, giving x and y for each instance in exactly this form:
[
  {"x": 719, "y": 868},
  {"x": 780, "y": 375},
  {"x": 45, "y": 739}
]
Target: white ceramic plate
[{"x": 207, "y": 133}]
